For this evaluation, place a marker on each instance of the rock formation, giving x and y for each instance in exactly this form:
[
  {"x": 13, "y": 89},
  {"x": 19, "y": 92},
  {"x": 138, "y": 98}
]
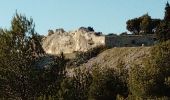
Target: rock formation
[{"x": 82, "y": 39}]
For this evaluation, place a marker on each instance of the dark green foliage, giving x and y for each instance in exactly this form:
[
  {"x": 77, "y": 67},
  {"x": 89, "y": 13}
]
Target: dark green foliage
[
  {"x": 98, "y": 33},
  {"x": 106, "y": 85},
  {"x": 133, "y": 25},
  {"x": 18, "y": 50},
  {"x": 90, "y": 29},
  {"x": 50, "y": 32},
  {"x": 83, "y": 57},
  {"x": 123, "y": 33},
  {"x": 161, "y": 60},
  {"x": 45, "y": 98},
  {"x": 142, "y": 25},
  {"x": 152, "y": 80},
  {"x": 48, "y": 79},
  {"x": 101, "y": 84},
  {"x": 122, "y": 73},
  {"x": 20, "y": 76},
  {"x": 142, "y": 82},
  {"x": 163, "y": 30},
  {"x": 167, "y": 13},
  {"x": 76, "y": 87},
  {"x": 145, "y": 24}
]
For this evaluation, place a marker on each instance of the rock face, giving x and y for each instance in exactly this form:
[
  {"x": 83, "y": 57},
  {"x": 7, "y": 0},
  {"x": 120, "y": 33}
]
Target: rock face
[{"x": 82, "y": 39}]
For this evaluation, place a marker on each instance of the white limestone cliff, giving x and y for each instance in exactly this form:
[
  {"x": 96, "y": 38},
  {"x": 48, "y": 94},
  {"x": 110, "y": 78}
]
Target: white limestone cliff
[{"x": 69, "y": 42}]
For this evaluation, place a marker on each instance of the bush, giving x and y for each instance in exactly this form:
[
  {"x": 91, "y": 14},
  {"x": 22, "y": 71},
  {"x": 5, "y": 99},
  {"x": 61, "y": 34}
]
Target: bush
[
  {"x": 20, "y": 46},
  {"x": 20, "y": 76},
  {"x": 75, "y": 87},
  {"x": 106, "y": 85},
  {"x": 153, "y": 78},
  {"x": 83, "y": 57}
]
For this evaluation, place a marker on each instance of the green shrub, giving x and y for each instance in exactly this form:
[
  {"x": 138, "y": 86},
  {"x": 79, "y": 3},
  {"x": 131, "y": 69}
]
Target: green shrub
[
  {"x": 106, "y": 85},
  {"x": 152, "y": 79},
  {"x": 75, "y": 87},
  {"x": 83, "y": 57}
]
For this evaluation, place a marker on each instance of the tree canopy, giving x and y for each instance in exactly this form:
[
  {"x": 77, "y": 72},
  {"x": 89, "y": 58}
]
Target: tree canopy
[
  {"x": 142, "y": 25},
  {"x": 20, "y": 50},
  {"x": 163, "y": 29}
]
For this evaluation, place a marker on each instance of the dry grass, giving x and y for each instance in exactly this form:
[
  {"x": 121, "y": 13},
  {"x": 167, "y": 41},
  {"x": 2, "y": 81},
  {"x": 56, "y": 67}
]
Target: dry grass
[{"x": 111, "y": 57}]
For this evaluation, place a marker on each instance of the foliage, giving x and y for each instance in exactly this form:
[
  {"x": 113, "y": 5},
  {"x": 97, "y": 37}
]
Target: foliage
[
  {"x": 83, "y": 57},
  {"x": 153, "y": 78},
  {"x": 98, "y": 33},
  {"x": 22, "y": 79},
  {"x": 142, "y": 82},
  {"x": 20, "y": 50},
  {"x": 90, "y": 29},
  {"x": 123, "y": 33},
  {"x": 133, "y": 25},
  {"x": 106, "y": 85},
  {"x": 76, "y": 87},
  {"x": 142, "y": 25},
  {"x": 163, "y": 30},
  {"x": 145, "y": 24},
  {"x": 167, "y": 13},
  {"x": 48, "y": 79},
  {"x": 50, "y": 32}
]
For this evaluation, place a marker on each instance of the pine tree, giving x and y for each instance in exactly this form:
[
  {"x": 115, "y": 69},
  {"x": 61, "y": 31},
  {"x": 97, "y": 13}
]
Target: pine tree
[
  {"x": 167, "y": 12},
  {"x": 163, "y": 30},
  {"x": 17, "y": 70},
  {"x": 145, "y": 24}
]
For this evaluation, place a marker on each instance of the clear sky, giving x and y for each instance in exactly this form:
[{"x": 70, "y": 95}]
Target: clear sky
[{"x": 107, "y": 16}]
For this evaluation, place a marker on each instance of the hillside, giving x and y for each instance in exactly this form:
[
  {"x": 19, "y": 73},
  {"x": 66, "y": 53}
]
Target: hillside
[{"x": 111, "y": 57}]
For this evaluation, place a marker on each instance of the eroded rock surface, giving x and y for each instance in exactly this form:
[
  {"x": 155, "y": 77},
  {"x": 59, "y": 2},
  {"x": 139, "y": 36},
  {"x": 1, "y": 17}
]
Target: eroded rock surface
[{"x": 69, "y": 42}]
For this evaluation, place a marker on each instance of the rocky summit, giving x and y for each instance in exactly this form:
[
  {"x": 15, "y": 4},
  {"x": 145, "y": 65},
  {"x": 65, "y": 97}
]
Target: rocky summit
[{"x": 82, "y": 39}]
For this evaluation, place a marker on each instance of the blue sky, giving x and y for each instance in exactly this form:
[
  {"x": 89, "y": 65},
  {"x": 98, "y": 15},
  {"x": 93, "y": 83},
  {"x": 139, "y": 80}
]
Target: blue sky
[{"x": 107, "y": 16}]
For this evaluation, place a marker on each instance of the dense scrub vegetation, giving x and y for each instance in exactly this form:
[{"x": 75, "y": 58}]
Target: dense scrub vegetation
[
  {"x": 149, "y": 81},
  {"x": 20, "y": 49},
  {"x": 83, "y": 57},
  {"x": 152, "y": 79},
  {"x": 22, "y": 79}
]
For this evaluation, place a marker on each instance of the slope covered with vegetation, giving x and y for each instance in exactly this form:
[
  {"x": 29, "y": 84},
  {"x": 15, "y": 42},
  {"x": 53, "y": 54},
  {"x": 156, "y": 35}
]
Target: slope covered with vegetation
[
  {"x": 115, "y": 74},
  {"x": 112, "y": 57},
  {"x": 123, "y": 73}
]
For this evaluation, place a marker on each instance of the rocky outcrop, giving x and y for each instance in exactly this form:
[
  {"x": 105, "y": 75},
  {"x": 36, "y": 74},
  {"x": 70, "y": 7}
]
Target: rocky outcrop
[{"x": 82, "y": 39}]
